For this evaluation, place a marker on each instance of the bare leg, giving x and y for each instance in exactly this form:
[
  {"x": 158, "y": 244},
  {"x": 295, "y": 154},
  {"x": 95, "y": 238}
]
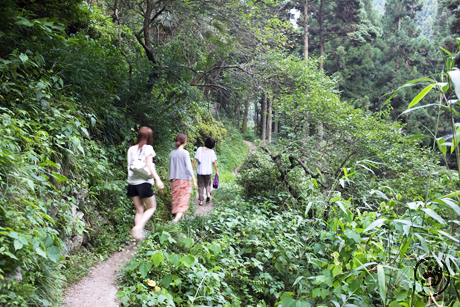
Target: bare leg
[
  {"x": 151, "y": 205},
  {"x": 178, "y": 217},
  {"x": 139, "y": 209}
]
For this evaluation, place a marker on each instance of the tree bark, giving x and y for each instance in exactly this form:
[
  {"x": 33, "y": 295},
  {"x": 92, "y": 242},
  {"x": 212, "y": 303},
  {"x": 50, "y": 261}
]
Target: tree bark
[
  {"x": 276, "y": 124},
  {"x": 321, "y": 33},
  {"x": 264, "y": 117},
  {"x": 305, "y": 32},
  {"x": 237, "y": 114},
  {"x": 269, "y": 120},
  {"x": 256, "y": 118},
  {"x": 246, "y": 111}
]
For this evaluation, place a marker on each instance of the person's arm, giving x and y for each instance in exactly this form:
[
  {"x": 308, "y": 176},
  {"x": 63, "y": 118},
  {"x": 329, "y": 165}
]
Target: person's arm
[
  {"x": 194, "y": 162},
  {"x": 189, "y": 168},
  {"x": 151, "y": 167},
  {"x": 215, "y": 166}
]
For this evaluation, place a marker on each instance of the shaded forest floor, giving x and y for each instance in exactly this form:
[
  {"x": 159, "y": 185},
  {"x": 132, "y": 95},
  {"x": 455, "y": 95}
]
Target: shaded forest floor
[{"x": 100, "y": 288}]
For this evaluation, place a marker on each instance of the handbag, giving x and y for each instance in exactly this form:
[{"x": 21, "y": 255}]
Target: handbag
[
  {"x": 139, "y": 167},
  {"x": 215, "y": 184}
]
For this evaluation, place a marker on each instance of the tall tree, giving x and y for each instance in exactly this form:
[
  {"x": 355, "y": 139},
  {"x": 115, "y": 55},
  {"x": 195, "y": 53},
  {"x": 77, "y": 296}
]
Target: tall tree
[
  {"x": 269, "y": 119},
  {"x": 264, "y": 115}
]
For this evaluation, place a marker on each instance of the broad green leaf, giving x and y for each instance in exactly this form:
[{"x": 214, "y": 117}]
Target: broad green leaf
[
  {"x": 54, "y": 253},
  {"x": 85, "y": 131},
  {"x": 23, "y": 57},
  {"x": 434, "y": 215},
  {"x": 339, "y": 203},
  {"x": 320, "y": 292},
  {"x": 174, "y": 259},
  {"x": 49, "y": 162},
  {"x": 187, "y": 242},
  {"x": 41, "y": 252},
  {"x": 58, "y": 177},
  {"x": 455, "y": 78},
  {"x": 13, "y": 234},
  {"x": 157, "y": 258},
  {"x": 17, "y": 244},
  {"x": 351, "y": 234},
  {"x": 188, "y": 261},
  {"x": 132, "y": 265},
  {"x": 287, "y": 300},
  {"x": 381, "y": 281},
  {"x": 31, "y": 184},
  {"x": 144, "y": 268},
  {"x": 374, "y": 224},
  {"x": 166, "y": 281},
  {"x": 422, "y": 94}
]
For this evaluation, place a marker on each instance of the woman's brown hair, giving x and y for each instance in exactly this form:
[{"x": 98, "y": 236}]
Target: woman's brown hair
[
  {"x": 180, "y": 139},
  {"x": 144, "y": 137}
]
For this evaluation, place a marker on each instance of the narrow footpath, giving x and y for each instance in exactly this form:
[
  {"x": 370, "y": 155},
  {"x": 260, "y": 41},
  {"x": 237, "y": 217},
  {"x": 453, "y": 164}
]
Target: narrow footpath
[{"x": 100, "y": 288}]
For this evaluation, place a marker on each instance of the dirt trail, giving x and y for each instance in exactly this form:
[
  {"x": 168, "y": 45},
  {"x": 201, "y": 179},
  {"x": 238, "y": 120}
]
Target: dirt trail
[
  {"x": 100, "y": 287},
  {"x": 206, "y": 208}
]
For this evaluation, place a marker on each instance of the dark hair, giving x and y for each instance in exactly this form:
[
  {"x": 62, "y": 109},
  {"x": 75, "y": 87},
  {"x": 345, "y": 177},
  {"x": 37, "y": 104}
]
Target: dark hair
[
  {"x": 180, "y": 139},
  {"x": 209, "y": 143},
  {"x": 144, "y": 137}
]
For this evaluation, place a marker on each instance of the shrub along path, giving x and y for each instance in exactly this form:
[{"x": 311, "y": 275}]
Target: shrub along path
[{"x": 100, "y": 287}]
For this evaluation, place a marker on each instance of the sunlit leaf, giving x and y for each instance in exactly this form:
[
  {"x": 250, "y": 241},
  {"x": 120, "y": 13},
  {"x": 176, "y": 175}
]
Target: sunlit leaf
[
  {"x": 374, "y": 224},
  {"x": 381, "y": 281},
  {"x": 455, "y": 78},
  {"x": 419, "y": 97}
]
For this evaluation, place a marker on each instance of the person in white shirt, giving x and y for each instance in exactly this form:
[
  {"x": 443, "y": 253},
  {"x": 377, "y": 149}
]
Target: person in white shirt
[
  {"x": 140, "y": 188},
  {"x": 206, "y": 158}
]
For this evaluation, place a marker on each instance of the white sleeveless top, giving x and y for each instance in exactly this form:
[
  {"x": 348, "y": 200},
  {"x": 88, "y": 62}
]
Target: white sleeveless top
[{"x": 133, "y": 154}]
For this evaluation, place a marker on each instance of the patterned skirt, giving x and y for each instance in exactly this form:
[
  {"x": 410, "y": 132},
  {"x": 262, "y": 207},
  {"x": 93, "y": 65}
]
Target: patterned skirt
[{"x": 181, "y": 190}]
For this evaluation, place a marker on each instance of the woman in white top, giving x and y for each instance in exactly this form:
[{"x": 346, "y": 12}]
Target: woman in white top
[
  {"x": 140, "y": 188},
  {"x": 206, "y": 157}
]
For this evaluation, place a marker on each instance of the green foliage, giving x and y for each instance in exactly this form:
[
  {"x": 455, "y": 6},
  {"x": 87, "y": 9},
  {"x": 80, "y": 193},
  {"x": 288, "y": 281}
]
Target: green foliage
[{"x": 46, "y": 159}]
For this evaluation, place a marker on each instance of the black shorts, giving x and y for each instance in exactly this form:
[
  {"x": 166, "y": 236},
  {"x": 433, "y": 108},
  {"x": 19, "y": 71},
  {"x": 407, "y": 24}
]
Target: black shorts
[{"x": 142, "y": 190}]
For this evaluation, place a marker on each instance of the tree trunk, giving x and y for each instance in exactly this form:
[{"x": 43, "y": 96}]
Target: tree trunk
[
  {"x": 264, "y": 117},
  {"x": 269, "y": 120},
  {"x": 399, "y": 24},
  {"x": 237, "y": 114},
  {"x": 246, "y": 111},
  {"x": 321, "y": 34},
  {"x": 276, "y": 125},
  {"x": 256, "y": 118},
  {"x": 305, "y": 32}
]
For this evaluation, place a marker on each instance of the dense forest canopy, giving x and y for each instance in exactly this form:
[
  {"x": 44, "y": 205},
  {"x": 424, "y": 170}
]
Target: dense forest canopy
[{"x": 354, "y": 109}]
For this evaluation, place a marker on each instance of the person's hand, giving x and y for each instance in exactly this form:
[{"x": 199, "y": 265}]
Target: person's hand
[
  {"x": 194, "y": 186},
  {"x": 160, "y": 185}
]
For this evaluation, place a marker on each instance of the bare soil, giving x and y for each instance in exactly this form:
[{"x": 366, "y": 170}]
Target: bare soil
[{"x": 100, "y": 287}]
